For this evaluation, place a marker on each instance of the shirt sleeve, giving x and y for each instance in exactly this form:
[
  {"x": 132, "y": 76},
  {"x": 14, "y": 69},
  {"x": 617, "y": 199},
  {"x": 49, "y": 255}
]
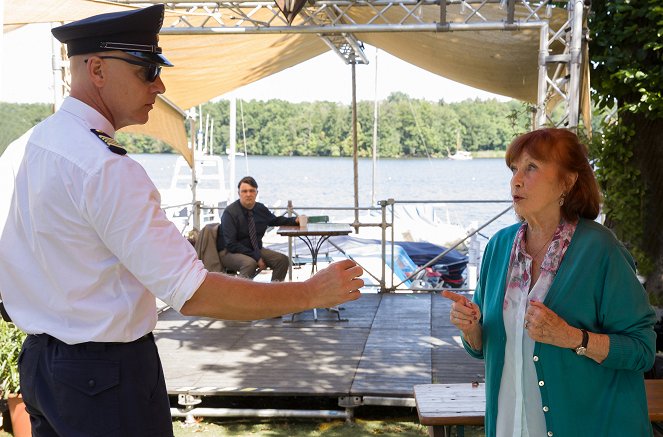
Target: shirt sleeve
[
  {"x": 124, "y": 207},
  {"x": 478, "y": 297},
  {"x": 281, "y": 220}
]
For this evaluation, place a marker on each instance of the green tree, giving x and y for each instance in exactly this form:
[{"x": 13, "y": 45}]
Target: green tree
[
  {"x": 627, "y": 54},
  {"x": 18, "y": 118},
  {"x": 406, "y": 127}
]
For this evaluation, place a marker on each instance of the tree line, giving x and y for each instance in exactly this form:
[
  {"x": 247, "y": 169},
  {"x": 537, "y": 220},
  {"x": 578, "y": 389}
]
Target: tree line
[{"x": 406, "y": 127}]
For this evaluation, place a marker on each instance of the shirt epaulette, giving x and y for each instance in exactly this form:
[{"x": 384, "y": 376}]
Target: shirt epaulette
[{"x": 113, "y": 145}]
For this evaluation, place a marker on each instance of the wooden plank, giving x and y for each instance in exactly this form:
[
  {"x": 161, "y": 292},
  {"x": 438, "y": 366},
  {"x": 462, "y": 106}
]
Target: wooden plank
[
  {"x": 263, "y": 357},
  {"x": 385, "y": 348},
  {"x": 397, "y": 352},
  {"x": 465, "y": 404},
  {"x": 451, "y": 364},
  {"x": 450, "y": 404}
]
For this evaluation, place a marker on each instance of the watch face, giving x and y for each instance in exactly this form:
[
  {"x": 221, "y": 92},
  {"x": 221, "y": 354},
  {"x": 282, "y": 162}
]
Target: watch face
[{"x": 581, "y": 350}]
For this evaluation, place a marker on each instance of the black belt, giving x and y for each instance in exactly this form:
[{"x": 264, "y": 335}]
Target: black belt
[
  {"x": 90, "y": 345},
  {"x": 4, "y": 314}
]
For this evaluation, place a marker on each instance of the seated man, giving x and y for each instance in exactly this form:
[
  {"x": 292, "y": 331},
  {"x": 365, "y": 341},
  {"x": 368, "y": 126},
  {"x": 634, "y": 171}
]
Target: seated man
[{"x": 239, "y": 240}]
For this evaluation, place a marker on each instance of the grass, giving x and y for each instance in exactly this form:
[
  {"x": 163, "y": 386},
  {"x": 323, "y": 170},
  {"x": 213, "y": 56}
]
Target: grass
[
  {"x": 397, "y": 427},
  {"x": 385, "y": 422},
  {"x": 293, "y": 428}
]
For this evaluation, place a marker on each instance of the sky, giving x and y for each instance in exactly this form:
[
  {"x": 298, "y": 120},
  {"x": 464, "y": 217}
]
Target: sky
[{"x": 26, "y": 76}]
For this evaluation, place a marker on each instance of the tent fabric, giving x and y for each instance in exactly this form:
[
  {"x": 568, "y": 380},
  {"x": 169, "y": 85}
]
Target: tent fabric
[
  {"x": 20, "y": 12},
  {"x": 209, "y": 65}
]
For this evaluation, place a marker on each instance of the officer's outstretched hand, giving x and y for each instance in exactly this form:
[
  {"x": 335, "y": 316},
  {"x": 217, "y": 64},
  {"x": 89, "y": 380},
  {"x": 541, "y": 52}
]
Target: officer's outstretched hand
[{"x": 337, "y": 283}]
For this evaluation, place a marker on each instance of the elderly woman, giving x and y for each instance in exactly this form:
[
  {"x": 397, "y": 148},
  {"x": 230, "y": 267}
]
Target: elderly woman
[{"x": 564, "y": 325}]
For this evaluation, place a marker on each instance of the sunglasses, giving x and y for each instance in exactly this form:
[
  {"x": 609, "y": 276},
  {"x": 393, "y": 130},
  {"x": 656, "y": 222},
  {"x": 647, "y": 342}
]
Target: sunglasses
[{"x": 152, "y": 71}]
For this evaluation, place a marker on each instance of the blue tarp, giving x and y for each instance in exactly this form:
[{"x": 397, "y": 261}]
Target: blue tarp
[{"x": 419, "y": 251}]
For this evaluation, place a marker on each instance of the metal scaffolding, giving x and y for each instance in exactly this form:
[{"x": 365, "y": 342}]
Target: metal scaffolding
[{"x": 336, "y": 23}]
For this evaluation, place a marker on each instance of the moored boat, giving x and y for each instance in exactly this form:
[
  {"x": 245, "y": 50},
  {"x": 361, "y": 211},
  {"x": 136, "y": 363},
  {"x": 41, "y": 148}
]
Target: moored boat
[{"x": 210, "y": 191}]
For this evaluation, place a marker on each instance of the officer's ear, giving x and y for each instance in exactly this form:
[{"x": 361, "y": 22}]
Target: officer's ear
[{"x": 95, "y": 70}]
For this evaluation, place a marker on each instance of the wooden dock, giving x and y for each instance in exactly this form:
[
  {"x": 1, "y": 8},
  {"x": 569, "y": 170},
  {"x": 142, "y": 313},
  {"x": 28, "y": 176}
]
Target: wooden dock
[{"x": 390, "y": 343}]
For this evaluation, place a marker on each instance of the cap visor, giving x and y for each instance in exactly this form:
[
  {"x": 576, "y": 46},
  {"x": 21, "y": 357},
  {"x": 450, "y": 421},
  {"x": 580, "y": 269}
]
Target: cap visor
[{"x": 156, "y": 58}]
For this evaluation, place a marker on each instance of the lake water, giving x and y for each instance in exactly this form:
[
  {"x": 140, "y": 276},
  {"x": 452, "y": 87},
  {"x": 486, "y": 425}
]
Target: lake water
[{"x": 328, "y": 182}]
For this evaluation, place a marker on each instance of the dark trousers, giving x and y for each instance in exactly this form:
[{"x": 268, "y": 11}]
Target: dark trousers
[
  {"x": 248, "y": 267},
  {"x": 94, "y": 389}
]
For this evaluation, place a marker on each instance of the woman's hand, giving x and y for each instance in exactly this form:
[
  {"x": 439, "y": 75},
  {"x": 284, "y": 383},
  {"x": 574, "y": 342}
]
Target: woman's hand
[
  {"x": 545, "y": 326},
  {"x": 465, "y": 315}
]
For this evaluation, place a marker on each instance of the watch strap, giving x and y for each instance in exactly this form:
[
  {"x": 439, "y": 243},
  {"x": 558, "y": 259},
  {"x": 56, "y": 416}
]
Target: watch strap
[{"x": 580, "y": 350}]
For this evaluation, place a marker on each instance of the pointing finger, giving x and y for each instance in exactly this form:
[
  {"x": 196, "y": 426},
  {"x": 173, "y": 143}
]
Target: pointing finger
[{"x": 453, "y": 296}]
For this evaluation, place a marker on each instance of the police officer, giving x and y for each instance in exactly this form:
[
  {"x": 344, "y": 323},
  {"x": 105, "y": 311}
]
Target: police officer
[{"x": 85, "y": 247}]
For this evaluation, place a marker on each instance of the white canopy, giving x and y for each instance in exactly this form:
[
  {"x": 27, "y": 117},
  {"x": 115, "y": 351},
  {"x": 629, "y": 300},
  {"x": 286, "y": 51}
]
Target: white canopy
[{"x": 210, "y": 64}]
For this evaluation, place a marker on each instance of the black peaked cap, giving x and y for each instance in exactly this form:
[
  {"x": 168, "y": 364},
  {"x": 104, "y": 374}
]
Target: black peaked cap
[{"x": 135, "y": 31}]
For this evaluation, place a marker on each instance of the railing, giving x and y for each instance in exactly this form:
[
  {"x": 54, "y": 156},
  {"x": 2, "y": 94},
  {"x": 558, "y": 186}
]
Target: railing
[
  {"x": 387, "y": 213},
  {"x": 386, "y": 208}
]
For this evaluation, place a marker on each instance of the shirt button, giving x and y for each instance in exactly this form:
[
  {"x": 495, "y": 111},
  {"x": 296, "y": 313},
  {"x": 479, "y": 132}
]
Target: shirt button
[
  {"x": 91, "y": 383},
  {"x": 535, "y": 358},
  {"x": 550, "y": 433},
  {"x": 541, "y": 383},
  {"x": 545, "y": 409}
]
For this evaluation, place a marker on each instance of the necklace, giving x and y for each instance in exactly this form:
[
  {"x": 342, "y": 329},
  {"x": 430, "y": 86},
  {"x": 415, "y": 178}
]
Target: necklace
[{"x": 543, "y": 247}]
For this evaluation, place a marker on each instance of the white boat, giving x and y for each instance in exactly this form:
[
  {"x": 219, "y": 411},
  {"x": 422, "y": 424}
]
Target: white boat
[
  {"x": 461, "y": 155},
  {"x": 210, "y": 191}
]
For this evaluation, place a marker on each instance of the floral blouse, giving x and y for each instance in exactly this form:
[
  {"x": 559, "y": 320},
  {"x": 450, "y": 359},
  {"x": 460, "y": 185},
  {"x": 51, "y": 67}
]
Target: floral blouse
[{"x": 519, "y": 404}]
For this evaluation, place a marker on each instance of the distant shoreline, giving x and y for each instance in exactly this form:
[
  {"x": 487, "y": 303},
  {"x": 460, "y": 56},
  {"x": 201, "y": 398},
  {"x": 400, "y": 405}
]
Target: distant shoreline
[{"x": 489, "y": 154}]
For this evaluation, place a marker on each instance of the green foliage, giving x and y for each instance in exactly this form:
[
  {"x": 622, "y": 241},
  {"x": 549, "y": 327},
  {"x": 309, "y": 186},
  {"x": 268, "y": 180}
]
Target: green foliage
[
  {"x": 627, "y": 58},
  {"x": 627, "y": 51},
  {"x": 136, "y": 143},
  {"x": 11, "y": 340},
  {"x": 622, "y": 186},
  {"x": 407, "y": 127},
  {"x": 18, "y": 118}
]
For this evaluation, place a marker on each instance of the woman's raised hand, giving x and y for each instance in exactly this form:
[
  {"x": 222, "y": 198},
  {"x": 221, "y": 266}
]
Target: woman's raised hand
[{"x": 465, "y": 314}]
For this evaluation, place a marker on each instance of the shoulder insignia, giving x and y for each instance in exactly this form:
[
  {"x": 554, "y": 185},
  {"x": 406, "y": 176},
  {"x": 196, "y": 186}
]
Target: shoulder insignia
[{"x": 113, "y": 145}]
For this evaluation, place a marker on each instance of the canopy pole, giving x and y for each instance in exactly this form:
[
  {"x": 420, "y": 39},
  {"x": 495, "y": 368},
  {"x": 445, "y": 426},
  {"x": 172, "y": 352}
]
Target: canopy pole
[
  {"x": 194, "y": 181},
  {"x": 375, "y": 129},
  {"x": 354, "y": 142},
  {"x": 573, "y": 104},
  {"x": 540, "y": 119},
  {"x": 232, "y": 153}
]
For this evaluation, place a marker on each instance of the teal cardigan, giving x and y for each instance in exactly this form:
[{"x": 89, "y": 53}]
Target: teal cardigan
[{"x": 596, "y": 289}]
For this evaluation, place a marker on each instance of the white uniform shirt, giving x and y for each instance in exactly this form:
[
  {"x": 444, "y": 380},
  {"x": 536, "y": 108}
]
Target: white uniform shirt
[{"x": 84, "y": 244}]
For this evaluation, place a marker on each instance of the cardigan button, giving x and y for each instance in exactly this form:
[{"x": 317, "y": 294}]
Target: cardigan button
[
  {"x": 541, "y": 383},
  {"x": 545, "y": 409},
  {"x": 550, "y": 434},
  {"x": 535, "y": 358}
]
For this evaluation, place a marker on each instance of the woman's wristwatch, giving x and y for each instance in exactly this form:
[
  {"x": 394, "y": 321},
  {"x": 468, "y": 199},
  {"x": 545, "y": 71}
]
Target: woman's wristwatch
[{"x": 582, "y": 349}]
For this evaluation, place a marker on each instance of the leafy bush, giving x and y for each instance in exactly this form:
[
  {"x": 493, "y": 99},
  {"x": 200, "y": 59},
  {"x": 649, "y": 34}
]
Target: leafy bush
[{"x": 11, "y": 340}]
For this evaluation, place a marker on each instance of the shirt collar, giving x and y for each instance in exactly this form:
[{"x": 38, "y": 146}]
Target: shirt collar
[
  {"x": 560, "y": 241},
  {"x": 90, "y": 116}
]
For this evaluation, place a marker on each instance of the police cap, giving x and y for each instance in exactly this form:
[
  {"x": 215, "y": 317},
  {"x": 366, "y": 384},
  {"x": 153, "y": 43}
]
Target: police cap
[{"x": 135, "y": 32}]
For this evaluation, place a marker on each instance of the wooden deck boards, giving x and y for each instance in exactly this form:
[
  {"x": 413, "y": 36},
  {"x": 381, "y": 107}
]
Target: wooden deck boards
[{"x": 389, "y": 343}]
